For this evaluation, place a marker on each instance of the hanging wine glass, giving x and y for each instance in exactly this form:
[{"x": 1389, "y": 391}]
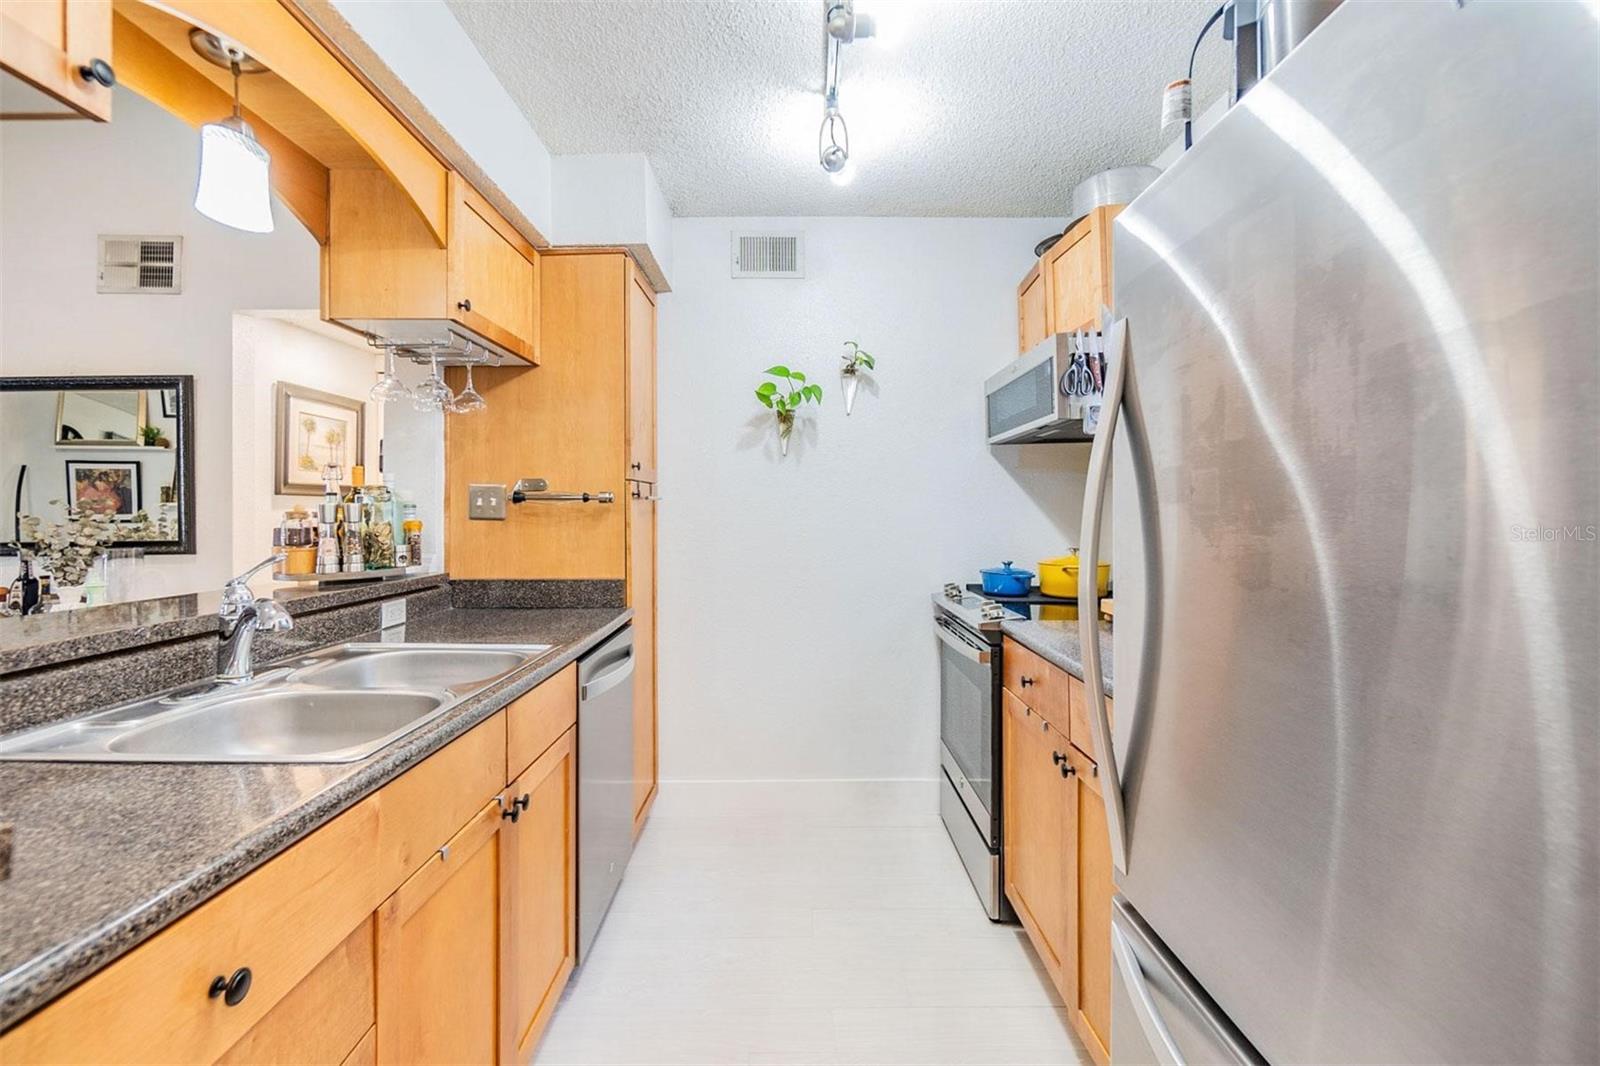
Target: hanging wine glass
[
  {"x": 389, "y": 387},
  {"x": 433, "y": 394},
  {"x": 468, "y": 399}
]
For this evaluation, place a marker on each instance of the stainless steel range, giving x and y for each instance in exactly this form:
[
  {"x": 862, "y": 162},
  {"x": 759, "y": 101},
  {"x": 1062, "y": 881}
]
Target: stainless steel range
[{"x": 968, "y": 628}]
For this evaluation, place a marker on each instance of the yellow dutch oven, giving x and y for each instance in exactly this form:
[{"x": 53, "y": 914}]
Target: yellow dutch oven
[{"x": 1059, "y": 576}]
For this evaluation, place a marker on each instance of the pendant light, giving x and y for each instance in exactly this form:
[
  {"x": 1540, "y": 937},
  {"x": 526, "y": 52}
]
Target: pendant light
[{"x": 233, "y": 186}]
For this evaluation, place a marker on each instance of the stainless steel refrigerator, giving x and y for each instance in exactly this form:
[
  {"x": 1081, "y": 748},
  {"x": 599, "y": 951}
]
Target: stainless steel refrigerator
[{"x": 1356, "y": 462}]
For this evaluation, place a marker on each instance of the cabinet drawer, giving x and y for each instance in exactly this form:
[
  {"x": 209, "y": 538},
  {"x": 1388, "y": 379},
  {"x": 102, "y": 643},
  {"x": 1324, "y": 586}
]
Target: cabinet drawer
[
  {"x": 1079, "y": 729},
  {"x": 279, "y": 922},
  {"x": 323, "y": 1017},
  {"x": 1036, "y": 683},
  {"x": 423, "y": 807},
  {"x": 537, "y": 720}
]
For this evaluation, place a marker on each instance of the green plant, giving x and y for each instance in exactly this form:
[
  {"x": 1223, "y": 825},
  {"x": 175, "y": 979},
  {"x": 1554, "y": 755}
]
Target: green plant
[
  {"x": 151, "y": 434},
  {"x": 786, "y": 399},
  {"x": 856, "y": 358}
]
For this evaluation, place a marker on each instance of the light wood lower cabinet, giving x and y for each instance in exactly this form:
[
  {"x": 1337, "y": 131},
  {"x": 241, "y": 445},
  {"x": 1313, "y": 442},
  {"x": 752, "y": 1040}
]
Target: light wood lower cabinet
[
  {"x": 324, "y": 1018},
  {"x": 279, "y": 923},
  {"x": 438, "y": 953},
  {"x": 538, "y": 897},
  {"x": 425, "y": 924},
  {"x": 1035, "y": 825},
  {"x": 1058, "y": 865},
  {"x": 1090, "y": 907}
]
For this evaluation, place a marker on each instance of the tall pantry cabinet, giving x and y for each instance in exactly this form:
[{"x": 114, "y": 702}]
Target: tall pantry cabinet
[{"x": 585, "y": 421}]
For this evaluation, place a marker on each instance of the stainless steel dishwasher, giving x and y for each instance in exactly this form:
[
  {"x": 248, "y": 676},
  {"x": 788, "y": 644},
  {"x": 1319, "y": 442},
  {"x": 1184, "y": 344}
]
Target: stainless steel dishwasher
[{"x": 605, "y": 779}]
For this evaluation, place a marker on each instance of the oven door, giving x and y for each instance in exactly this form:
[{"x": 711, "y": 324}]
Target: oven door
[{"x": 967, "y": 724}]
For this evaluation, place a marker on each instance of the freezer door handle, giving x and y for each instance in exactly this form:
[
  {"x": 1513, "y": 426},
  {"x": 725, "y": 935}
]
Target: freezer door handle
[
  {"x": 1089, "y": 593},
  {"x": 1155, "y": 1030}
]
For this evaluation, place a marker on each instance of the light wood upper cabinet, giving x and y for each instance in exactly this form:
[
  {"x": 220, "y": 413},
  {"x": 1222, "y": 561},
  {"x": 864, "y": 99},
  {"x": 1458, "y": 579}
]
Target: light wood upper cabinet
[
  {"x": 1065, "y": 289},
  {"x": 1032, "y": 323},
  {"x": 1077, "y": 272},
  {"x": 438, "y": 953},
  {"x": 641, "y": 377},
  {"x": 384, "y": 266},
  {"x": 1037, "y": 874},
  {"x": 48, "y": 43},
  {"x": 493, "y": 275},
  {"x": 538, "y": 896}
]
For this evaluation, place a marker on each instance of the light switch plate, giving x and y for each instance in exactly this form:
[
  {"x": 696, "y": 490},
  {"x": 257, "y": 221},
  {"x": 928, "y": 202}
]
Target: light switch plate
[
  {"x": 486, "y": 502},
  {"x": 392, "y": 613}
]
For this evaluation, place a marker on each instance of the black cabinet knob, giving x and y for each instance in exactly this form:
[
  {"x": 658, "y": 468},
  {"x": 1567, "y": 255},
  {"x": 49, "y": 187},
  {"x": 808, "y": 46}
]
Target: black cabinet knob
[
  {"x": 521, "y": 802},
  {"x": 638, "y": 466},
  {"x": 99, "y": 72},
  {"x": 231, "y": 989},
  {"x": 1057, "y": 758},
  {"x": 512, "y": 812},
  {"x": 1067, "y": 770},
  {"x": 1026, "y": 681},
  {"x": 464, "y": 305}
]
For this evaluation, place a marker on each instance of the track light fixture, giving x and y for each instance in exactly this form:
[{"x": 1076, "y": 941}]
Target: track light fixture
[{"x": 843, "y": 24}]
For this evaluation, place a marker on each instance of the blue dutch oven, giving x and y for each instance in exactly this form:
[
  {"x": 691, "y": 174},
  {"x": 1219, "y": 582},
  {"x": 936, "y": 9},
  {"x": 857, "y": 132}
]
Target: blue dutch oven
[{"x": 1006, "y": 580}]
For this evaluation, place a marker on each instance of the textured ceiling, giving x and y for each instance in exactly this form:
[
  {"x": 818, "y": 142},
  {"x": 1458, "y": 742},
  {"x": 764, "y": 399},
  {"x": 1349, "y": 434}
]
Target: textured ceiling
[{"x": 982, "y": 108}]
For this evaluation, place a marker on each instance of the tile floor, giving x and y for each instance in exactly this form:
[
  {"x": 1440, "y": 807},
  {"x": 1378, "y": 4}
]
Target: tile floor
[{"x": 802, "y": 924}]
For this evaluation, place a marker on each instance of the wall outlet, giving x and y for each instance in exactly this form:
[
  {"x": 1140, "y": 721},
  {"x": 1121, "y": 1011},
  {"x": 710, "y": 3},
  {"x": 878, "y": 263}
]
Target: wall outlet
[
  {"x": 486, "y": 502},
  {"x": 392, "y": 613}
]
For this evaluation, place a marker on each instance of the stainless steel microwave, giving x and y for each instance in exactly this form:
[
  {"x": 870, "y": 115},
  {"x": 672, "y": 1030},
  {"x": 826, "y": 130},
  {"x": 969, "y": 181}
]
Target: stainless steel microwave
[{"x": 1046, "y": 395}]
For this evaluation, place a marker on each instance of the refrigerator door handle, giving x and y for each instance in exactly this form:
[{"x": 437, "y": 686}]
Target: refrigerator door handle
[
  {"x": 1155, "y": 1030},
  {"x": 1089, "y": 593}
]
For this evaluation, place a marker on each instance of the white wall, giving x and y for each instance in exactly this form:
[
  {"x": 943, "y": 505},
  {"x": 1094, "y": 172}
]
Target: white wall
[
  {"x": 421, "y": 41},
  {"x": 62, "y": 184},
  {"x": 299, "y": 349},
  {"x": 611, "y": 199},
  {"x": 795, "y": 622}
]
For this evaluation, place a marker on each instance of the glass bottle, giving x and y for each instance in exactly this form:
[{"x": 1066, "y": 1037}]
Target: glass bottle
[{"x": 377, "y": 526}]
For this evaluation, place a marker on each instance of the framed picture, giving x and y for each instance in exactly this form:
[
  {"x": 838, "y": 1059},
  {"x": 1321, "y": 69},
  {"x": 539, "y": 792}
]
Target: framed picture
[
  {"x": 312, "y": 430},
  {"x": 104, "y": 486},
  {"x": 169, "y": 403}
]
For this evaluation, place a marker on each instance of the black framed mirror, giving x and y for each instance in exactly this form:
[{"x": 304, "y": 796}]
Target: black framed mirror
[{"x": 118, "y": 446}]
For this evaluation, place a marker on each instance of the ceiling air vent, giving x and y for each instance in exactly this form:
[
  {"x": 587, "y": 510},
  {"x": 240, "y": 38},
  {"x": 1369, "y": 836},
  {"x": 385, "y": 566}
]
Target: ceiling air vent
[
  {"x": 768, "y": 255},
  {"x": 141, "y": 264}
]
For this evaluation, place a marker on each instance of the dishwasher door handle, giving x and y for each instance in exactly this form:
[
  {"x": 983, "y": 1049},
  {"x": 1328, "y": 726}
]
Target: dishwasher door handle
[{"x": 603, "y": 683}]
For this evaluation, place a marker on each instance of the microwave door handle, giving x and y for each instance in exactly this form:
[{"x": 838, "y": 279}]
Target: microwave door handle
[
  {"x": 1155, "y": 1030},
  {"x": 959, "y": 646},
  {"x": 1089, "y": 593}
]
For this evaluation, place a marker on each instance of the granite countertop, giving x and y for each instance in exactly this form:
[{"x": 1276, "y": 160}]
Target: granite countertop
[
  {"x": 107, "y": 854},
  {"x": 1061, "y": 644},
  {"x": 41, "y": 640}
]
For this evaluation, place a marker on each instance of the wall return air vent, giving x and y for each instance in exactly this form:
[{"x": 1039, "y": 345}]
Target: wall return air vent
[
  {"x": 140, "y": 264},
  {"x": 768, "y": 255}
]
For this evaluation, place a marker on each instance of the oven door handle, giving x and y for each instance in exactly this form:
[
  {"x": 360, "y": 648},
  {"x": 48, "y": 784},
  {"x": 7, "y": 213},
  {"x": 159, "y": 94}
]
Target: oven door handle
[{"x": 946, "y": 632}]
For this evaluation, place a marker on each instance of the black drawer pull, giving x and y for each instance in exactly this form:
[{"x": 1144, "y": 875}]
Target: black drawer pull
[{"x": 231, "y": 989}]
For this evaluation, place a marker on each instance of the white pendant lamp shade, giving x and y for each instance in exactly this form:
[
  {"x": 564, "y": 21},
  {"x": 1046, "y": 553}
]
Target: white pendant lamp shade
[{"x": 233, "y": 188}]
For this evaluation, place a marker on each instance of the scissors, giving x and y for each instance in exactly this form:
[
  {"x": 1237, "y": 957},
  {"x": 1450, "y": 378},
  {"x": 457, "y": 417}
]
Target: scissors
[{"x": 1076, "y": 381}]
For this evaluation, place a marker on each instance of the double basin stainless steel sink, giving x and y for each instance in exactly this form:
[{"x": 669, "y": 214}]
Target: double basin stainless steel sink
[{"x": 336, "y": 705}]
